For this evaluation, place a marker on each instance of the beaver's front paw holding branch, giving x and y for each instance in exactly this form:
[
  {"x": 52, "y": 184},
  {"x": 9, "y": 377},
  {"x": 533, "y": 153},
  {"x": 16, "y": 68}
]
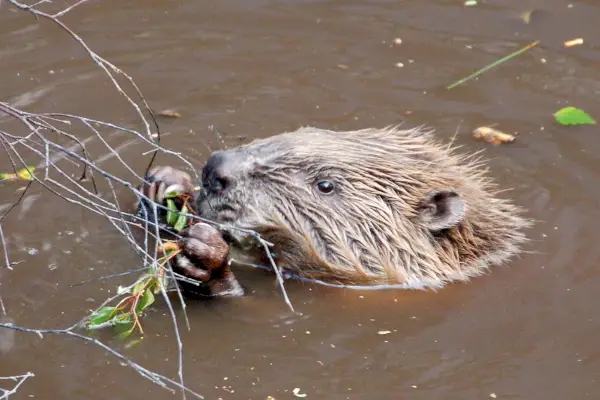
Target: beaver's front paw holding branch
[
  {"x": 164, "y": 185},
  {"x": 202, "y": 252},
  {"x": 204, "y": 257}
]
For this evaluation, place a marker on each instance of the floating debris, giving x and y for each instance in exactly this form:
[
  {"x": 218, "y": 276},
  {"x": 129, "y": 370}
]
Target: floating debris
[
  {"x": 492, "y": 136},
  {"x": 528, "y": 16},
  {"x": 297, "y": 393},
  {"x": 169, "y": 114},
  {"x": 470, "y": 3},
  {"x": 495, "y": 63},
  {"x": 574, "y": 42}
]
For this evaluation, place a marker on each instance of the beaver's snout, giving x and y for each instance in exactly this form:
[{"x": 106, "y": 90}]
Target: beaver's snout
[{"x": 218, "y": 172}]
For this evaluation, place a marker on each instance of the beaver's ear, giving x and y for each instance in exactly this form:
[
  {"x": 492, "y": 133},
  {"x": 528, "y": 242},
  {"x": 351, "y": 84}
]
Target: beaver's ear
[{"x": 441, "y": 210}]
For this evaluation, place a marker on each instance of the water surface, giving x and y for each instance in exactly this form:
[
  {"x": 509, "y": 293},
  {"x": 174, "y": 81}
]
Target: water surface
[{"x": 259, "y": 67}]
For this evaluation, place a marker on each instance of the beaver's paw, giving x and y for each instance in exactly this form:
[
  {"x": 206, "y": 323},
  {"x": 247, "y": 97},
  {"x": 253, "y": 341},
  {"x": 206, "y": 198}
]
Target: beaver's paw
[
  {"x": 166, "y": 180},
  {"x": 162, "y": 181},
  {"x": 204, "y": 258}
]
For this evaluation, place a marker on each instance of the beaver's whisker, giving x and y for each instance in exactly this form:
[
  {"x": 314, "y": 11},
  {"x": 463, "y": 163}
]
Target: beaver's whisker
[{"x": 220, "y": 137}]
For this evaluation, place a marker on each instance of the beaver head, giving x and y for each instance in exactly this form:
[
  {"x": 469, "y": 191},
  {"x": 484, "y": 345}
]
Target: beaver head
[{"x": 367, "y": 206}]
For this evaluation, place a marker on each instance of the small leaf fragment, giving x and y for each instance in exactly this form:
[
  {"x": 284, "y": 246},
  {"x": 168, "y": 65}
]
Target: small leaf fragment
[
  {"x": 23, "y": 174},
  {"x": 171, "y": 214},
  {"x": 492, "y": 136},
  {"x": 573, "y": 116},
  {"x": 470, "y": 3},
  {"x": 168, "y": 247},
  {"x": 123, "y": 290}
]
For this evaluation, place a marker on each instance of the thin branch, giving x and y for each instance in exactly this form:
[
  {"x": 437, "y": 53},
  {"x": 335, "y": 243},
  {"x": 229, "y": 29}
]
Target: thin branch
[
  {"x": 154, "y": 377},
  {"x": 66, "y": 10},
  {"x": 19, "y": 379}
]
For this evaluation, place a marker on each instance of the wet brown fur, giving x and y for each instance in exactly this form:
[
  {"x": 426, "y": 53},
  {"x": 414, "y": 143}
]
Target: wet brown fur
[{"x": 370, "y": 230}]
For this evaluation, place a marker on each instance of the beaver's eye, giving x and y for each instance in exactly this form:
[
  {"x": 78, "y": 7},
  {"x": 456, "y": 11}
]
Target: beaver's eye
[{"x": 325, "y": 187}]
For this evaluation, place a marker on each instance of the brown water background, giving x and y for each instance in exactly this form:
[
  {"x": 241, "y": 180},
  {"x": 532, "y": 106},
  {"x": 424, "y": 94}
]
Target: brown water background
[{"x": 259, "y": 67}]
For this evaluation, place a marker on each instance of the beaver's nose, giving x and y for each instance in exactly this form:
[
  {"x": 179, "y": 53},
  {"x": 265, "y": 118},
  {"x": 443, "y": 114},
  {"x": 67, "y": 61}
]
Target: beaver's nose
[{"x": 216, "y": 174}]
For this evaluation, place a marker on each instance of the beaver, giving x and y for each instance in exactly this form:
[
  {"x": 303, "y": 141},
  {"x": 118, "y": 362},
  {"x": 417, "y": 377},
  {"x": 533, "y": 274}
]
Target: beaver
[{"x": 371, "y": 206}]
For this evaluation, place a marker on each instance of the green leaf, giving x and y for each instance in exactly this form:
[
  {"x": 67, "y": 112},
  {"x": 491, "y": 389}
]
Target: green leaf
[
  {"x": 123, "y": 319},
  {"x": 22, "y": 174},
  {"x": 573, "y": 116},
  {"x": 101, "y": 316},
  {"x": 145, "y": 301},
  {"x": 171, "y": 214},
  {"x": 160, "y": 282},
  {"x": 25, "y": 174},
  {"x": 171, "y": 195},
  {"x": 140, "y": 285},
  {"x": 125, "y": 334},
  {"x": 124, "y": 327},
  {"x": 181, "y": 221}
]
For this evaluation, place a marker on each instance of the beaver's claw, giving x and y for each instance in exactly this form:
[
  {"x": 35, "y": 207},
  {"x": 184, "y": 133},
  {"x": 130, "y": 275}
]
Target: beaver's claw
[
  {"x": 166, "y": 180},
  {"x": 159, "y": 182},
  {"x": 204, "y": 257}
]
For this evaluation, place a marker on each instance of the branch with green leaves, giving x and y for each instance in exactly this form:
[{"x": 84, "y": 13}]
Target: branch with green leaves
[{"x": 125, "y": 316}]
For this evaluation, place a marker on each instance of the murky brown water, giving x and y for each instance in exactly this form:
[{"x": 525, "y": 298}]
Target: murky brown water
[{"x": 256, "y": 68}]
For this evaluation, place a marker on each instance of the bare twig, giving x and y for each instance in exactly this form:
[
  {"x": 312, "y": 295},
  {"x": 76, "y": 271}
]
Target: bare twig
[
  {"x": 19, "y": 379},
  {"x": 66, "y": 10},
  {"x": 2, "y": 307},
  {"x": 154, "y": 377}
]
